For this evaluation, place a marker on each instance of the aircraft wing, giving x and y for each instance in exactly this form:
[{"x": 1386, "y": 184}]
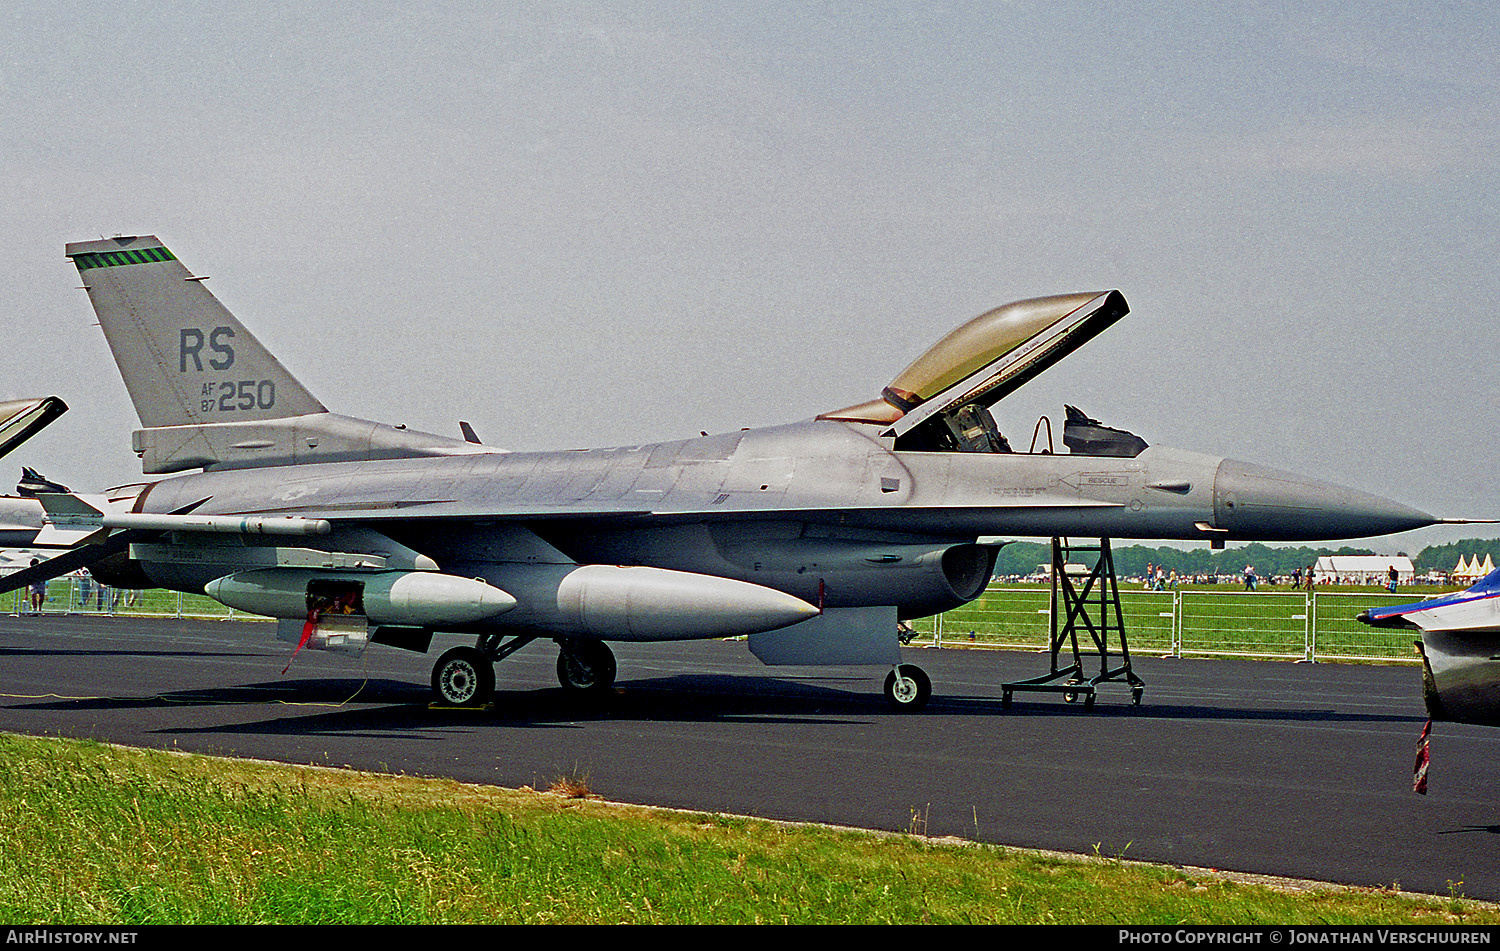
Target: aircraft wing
[
  {"x": 1460, "y": 649},
  {"x": 71, "y": 560},
  {"x": 1475, "y": 610},
  {"x": 75, "y": 521}
]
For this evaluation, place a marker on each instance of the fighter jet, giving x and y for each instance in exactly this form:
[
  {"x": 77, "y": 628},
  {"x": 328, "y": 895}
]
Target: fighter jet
[
  {"x": 813, "y": 538},
  {"x": 1460, "y": 647}
]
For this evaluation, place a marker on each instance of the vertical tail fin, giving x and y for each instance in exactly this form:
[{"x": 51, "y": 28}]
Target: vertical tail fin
[
  {"x": 207, "y": 392},
  {"x": 184, "y": 357}
]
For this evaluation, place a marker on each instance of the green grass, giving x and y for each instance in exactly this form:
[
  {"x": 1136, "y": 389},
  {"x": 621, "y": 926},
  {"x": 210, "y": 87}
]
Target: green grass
[
  {"x": 63, "y": 597},
  {"x": 91, "y": 834},
  {"x": 1196, "y": 619}
]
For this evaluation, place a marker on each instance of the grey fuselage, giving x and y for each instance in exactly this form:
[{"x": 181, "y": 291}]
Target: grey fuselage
[{"x": 824, "y": 510}]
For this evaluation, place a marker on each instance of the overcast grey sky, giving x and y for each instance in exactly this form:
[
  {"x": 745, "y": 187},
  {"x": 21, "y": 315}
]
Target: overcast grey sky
[{"x": 608, "y": 223}]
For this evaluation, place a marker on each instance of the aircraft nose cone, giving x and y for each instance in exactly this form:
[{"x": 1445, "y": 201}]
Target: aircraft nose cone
[{"x": 1256, "y": 502}]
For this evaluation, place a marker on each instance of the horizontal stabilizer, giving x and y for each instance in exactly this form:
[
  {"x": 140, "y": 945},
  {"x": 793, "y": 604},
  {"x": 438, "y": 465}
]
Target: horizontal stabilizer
[
  {"x": 61, "y": 506},
  {"x": 70, "y": 519}
]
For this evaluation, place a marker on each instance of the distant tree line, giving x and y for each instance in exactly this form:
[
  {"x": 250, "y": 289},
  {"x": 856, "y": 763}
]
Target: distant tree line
[
  {"x": 1022, "y": 558},
  {"x": 1445, "y": 557}
]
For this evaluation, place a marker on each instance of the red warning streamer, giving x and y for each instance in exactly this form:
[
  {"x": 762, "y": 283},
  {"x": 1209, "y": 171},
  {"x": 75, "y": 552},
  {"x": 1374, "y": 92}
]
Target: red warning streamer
[
  {"x": 307, "y": 632},
  {"x": 1424, "y": 756}
]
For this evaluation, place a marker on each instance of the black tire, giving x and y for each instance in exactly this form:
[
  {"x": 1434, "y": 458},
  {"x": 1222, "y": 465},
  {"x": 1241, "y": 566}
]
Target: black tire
[
  {"x": 463, "y": 677},
  {"x": 587, "y": 667},
  {"x": 910, "y": 690}
]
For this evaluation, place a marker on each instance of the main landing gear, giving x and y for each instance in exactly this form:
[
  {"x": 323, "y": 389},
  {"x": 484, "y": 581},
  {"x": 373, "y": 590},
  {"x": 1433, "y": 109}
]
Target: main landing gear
[
  {"x": 586, "y": 667},
  {"x": 465, "y": 676}
]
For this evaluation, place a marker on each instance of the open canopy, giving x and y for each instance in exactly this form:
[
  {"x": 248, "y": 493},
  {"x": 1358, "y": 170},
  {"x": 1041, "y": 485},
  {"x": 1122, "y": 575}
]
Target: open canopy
[
  {"x": 22, "y": 419},
  {"x": 986, "y": 359}
]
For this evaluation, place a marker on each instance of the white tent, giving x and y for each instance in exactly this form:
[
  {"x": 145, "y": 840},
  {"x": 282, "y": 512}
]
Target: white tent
[
  {"x": 1363, "y": 569},
  {"x": 1470, "y": 570}
]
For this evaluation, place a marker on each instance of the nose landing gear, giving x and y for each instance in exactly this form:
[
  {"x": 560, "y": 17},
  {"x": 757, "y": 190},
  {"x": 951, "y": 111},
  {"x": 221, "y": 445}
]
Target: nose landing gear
[{"x": 907, "y": 687}]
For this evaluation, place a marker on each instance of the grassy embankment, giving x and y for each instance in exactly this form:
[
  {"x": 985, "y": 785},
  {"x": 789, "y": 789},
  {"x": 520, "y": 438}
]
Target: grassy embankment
[{"x": 96, "y": 834}]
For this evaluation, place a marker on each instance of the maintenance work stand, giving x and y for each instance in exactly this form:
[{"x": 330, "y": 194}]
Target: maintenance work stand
[{"x": 1072, "y": 607}]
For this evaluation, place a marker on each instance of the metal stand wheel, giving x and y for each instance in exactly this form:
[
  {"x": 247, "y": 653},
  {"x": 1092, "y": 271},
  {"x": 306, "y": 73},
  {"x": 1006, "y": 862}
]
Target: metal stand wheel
[{"x": 1071, "y": 608}]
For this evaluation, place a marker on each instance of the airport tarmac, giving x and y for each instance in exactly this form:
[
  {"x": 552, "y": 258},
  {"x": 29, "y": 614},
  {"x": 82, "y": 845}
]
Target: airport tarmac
[{"x": 1274, "y": 768}]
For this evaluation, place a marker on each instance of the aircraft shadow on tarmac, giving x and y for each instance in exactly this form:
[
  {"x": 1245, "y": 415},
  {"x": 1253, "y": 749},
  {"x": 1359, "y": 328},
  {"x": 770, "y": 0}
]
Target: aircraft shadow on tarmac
[
  {"x": 59, "y": 652},
  {"x": 1492, "y": 830},
  {"x": 1174, "y": 711},
  {"x": 292, "y": 692},
  {"x": 342, "y": 705},
  {"x": 390, "y": 706}
]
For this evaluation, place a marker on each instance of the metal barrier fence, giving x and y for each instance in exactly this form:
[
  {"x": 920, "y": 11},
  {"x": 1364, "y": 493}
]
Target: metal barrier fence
[
  {"x": 1286, "y": 625},
  {"x": 73, "y": 594}
]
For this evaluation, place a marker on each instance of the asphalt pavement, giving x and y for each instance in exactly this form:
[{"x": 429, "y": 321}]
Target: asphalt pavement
[{"x": 1256, "y": 766}]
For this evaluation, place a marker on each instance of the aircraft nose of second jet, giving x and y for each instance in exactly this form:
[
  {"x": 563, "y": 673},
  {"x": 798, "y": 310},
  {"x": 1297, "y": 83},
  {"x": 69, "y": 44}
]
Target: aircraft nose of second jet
[{"x": 1257, "y": 502}]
